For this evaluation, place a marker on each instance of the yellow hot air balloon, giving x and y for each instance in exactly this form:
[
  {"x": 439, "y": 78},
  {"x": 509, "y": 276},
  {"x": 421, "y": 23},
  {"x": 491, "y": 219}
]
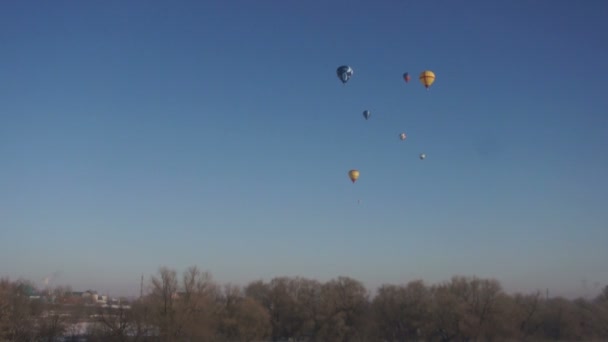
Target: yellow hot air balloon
[
  {"x": 353, "y": 175},
  {"x": 427, "y": 78}
]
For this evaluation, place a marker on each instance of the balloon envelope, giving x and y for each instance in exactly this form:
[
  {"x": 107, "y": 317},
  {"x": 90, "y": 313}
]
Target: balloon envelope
[
  {"x": 366, "y": 114},
  {"x": 402, "y": 136},
  {"x": 427, "y": 78},
  {"x": 422, "y": 156},
  {"x": 406, "y": 77},
  {"x": 344, "y": 73},
  {"x": 353, "y": 175}
]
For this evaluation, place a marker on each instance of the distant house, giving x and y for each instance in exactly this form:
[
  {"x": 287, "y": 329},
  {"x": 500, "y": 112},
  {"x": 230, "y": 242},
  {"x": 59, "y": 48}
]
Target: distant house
[
  {"x": 92, "y": 297},
  {"x": 99, "y": 299}
]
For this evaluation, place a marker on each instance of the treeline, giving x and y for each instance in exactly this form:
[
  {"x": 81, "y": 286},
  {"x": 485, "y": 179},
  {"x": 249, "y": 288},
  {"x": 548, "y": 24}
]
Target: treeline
[{"x": 193, "y": 307}]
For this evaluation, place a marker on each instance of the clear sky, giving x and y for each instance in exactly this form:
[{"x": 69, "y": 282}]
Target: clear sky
[{"x": 137, "y": 134}]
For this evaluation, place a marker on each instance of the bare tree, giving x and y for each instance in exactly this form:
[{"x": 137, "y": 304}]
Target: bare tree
[
  {"x": 525, "y": 315},
  {"x": 307, "y": 293},
  {"x": 195, "y": 308},
  {"x": 401, "y": 312},
  {"x": 17, "y": 323},
  {"x": 345, "y": 311},
  {"x": 162, "y": 297},
  {"x": 259, "y": 291},
  {"x": 52, "y": 322},
  {"x": 242, "y": 318},
  {"x": 447, "y": 314},
  {"x": 559, "y": 320},
  {"x": 487, "y": 307},
  {"x": 603, "y": 296},
  {"x": 197, "y": 305},
  {"x": 294, "y": 305},
  {"x": 186, "y": 314},
  {"x": 280, "y": 303},
  {"x": 116, "y": 324}
]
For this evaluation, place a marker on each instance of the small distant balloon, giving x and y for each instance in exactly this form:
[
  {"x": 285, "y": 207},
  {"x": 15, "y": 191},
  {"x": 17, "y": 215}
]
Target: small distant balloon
[
  {"x": 406, "y": 77},
  {"x": 353, "y": 175},
  {"x": 427, "y": 78},
  {"x": 366, "y": 114},
  {"x": 422, "y": 156},
  {"x": 402, "y": 136},
  {"x": 344, "y": 73}
]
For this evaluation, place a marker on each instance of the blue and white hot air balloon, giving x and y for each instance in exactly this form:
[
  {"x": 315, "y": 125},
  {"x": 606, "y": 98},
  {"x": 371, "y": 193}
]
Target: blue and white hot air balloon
[{"x": 344, "y": 73}]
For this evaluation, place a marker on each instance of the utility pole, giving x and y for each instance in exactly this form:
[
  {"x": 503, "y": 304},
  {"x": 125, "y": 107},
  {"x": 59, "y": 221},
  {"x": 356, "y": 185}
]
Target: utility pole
[{"x": 141, "y": 287}]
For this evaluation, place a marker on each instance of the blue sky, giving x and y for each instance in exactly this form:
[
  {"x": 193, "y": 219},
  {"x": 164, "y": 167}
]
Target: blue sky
[{"x": 147, "y": 133}]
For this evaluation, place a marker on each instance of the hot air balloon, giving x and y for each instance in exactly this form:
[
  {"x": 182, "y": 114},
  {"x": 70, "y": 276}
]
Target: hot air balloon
[
  {"x": 353, "y": 175},
  {"x": 406, "y": 77},
  {"x": 427, "y": 78},
  {"x": 366, "y": 114},
  {"x": 344, "y": 73},
  {"x": 402, "y": 136},
  {"x": 422, "y": 156}
]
